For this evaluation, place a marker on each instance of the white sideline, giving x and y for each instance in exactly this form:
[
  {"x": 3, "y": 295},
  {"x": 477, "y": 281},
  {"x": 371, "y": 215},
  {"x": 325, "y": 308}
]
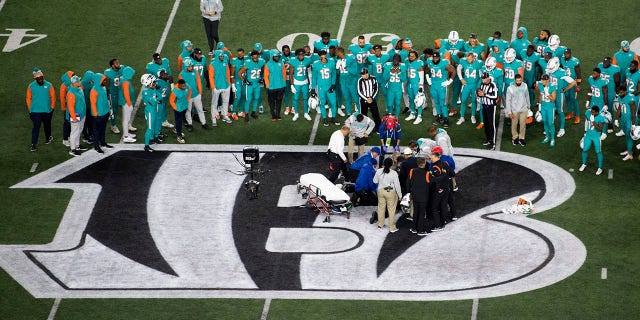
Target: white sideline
[
  {"x": 265, "y": 310},
  {"x": 474, "y": 309},
  {"x": 2, "y": 2},
  {"x": 343, "y": 22},
  {"x": 54, "y": 309}
]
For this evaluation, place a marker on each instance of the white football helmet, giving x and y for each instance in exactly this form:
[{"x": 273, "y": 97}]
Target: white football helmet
[
  {"x": 529, "y": 113},
  {"x": 538, "y": 116},
  {"x": 490, "y": 64},
  {"x": 554, "y": 41},
  {"x": 147, "y": 79},
  {"x": 635, "y": 132},
  {"x": 313, "y": 102},
  {"x": 509, "y": 55},
  {"x": 420, "y": 100},
  {"x": 453, "y": 37},
  {"x": 405, "y": 203},
  {"x": 607, "y": 116},
  {"x": 582, "y": 143},
  {"x": 553, "y": 65}
]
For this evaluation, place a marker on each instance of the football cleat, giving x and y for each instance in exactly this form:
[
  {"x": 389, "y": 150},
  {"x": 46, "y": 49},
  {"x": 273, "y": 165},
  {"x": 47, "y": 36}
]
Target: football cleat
[
  {"x": 295, "y": 117},
  {"x": 307, "y": 116},
  {"x": 418, "y": 120},
  {"x": 410, "y": 117},
  {"x": 460, "y": 121},
  {"x": 473, "y": 119},
  {"x": 582, "y": 167},
  {"x": 560, "y": 133},
  {"x": 599, "y": 171}
]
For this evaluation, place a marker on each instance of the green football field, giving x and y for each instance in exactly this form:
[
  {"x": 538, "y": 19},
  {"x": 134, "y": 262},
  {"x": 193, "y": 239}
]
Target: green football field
[{"x": 85, "y": 35}]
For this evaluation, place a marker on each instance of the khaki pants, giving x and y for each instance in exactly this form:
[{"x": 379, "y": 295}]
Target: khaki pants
[
  {"x": 350, "y": 147},
  {"x": 519, "y": 120},
  {"x": 387, "y": 200}
]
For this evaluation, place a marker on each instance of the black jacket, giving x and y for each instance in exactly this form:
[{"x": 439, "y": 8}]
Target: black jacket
[{"x": 418, "y": 183}]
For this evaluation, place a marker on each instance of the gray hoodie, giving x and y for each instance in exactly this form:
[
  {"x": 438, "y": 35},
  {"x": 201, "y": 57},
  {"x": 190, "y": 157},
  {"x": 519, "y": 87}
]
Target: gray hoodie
[{"x": 517, "y": 99}]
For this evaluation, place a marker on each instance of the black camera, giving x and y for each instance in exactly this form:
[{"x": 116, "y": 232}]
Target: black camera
[{"x": 251, "y": 155}]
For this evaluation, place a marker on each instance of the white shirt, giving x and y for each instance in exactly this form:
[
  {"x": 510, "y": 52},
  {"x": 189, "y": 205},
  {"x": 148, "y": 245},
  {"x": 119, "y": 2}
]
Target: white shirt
[
  {"x": 336, "y": 144},
  {"x": 444, "y": 141},
  {"x": 208, "y": 6}
]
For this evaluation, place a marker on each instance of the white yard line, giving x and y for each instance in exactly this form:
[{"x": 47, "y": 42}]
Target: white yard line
[
  {"x": 2, "y": 2},
  {"x": 163, "y": 38},
  {"x": 514, "y": 30},
  {"x": 54, "y": 309},
  {"x": 34, "y": 167},
  {"x": 343, "y": 22},
  {"x": 265, "y": 310},
  {"x": 474, "y": 309},
  {"x": 603, "y": 274}
]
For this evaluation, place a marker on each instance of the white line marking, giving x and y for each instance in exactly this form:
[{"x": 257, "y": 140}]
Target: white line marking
[
  {"x": 163, "y": 38},
  {"x": 610, "y": 175},
  {"x": 516, "y": 19},
  {"x": 603, "y": 274},
  {"x": 2, "y": 2},
  {"x": 54, "y": 309},
  {"x": 265, "y": 310},
  {"x": 33, "y": 167},
  {"x": 474, "y": 309},
  {"x": 343, "y": 22}
]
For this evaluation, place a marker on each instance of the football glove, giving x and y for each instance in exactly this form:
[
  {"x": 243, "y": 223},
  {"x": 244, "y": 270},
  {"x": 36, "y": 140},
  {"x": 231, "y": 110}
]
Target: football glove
[
  {"x": 233, "y": 87},
  {"x": 332, "y": 88},
  {"x": 293, "y": 89},
  {"x": 446, "y": 83},
  {"x": 428, "y": 80},
  {"x": 312, "y": 92},
  {"x": 246, "y": 81}
]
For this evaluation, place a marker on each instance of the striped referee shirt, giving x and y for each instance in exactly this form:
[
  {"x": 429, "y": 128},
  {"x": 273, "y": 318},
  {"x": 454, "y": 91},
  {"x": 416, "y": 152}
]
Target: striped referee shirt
[
  {"x": 367, "y": 88},
  {"x": 490, "y": 93}
]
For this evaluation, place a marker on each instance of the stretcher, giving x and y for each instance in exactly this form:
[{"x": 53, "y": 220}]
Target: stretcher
[{"x": 323, "y": 196}]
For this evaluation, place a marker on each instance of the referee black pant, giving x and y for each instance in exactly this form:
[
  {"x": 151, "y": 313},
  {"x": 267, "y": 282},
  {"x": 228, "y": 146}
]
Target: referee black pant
[
  {"x": 211, "y": 29},
  {"x": 373, "y": 106},
  {"x": 488, "y": 113}
]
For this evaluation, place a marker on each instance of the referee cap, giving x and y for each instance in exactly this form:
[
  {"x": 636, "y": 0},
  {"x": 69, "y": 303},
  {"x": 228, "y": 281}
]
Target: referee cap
[
  {"x": 364, "y": 71},
  {"x": 485, "y": 75}
]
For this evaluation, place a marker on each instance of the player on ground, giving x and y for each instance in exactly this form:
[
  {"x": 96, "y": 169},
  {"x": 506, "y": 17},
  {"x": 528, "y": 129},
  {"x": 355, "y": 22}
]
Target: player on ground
[
  {"x": 469, "y": 74},
  {"x": 572, "y": 64},
  {"x": 323, "y": 83},
  {"x": 548, "y": 95},
  {"x": 594, "y": 123}
]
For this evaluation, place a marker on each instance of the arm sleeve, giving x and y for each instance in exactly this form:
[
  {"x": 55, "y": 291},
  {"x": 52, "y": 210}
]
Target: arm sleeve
[
  {"x": 360, "y": 93},
  {"x": 29, "y": 97},
  {"x": 52, "y": 96},
  {"x": 459, "y": 70},
  {"x": 211, "y": 76},
  {"x": 375, "y": 87},
  {"x": 266, "y": 77},
  {"x": 126, "y": 93},
  {"x": 63, "y": 97},
  {"x": 396, "y": 185},
  {"x": 172, "y": 101},
  {"x": 370, "y": 126},
  {"x": 71, "y": 106},
  {"x": 199, "y": 84},
  {"x": 94, "y": 101}
]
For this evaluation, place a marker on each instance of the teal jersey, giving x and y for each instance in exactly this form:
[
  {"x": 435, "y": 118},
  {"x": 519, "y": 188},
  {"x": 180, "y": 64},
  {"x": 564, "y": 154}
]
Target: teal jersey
[
  {"x": 446, "y": 46},
  {"x": 154, "y": 68},
  {"x": 237, "y": 63},
  {"x": 632, "y": 80},
  {"x": 595, "y": 87},
  {"x": 265, "y": 55},
  {"x": 80, "y": 107},
  {"x": 180, "y": 97},
  {"x": 558, "y": 52},
  {"x": 471, "y": 72},
  {"x": 500, "y": 43},
  {"x": 274, "y": 75},
  {"x": 608, "y": 74},
  {"x": 324, "y": 74},
  {"x": 254, "y": 70},
  {"x": 220, "y": 72},
  {"x": 497, "y": 75},
  {"x": 127, "y": 76},
  {"x": 571, "y": 65},
  {"x": 150, "y": 97},
  {"x": 413, "y": 71},
  {"x": 300, "y": 73},
  {"x": 545, "y": 94},
  {"x": 624, "y": 104},
  {"x": 560, "y": 78},
  {"x": 394, "y": 80},
  {"x": 499, "y": 56},
  {"x": 590, "y": 122},
  {"x": 361, "y": 53},
  {"x": 41, "y": 96},
  {"x": 510, "y": 71},
  {"x": 164, "y": 88},
  {"x": 348, "y": 67},
  {"x": 376, "y": 64},
  {"x": 438, "y": 72},
  {"x": 102, "y": 101},
  {"x": 198, "y": 67},
  {"x": 521, "y": 44},
  {"x": 115, "y": 78},
  {"x": 319, "y": 45},
  {"x": 478, "y": 50},
  {"x": 623, "y": 60},
  {"x": 313, "y": 57},
  {"x": 192, "y": 80},
  {"x": 540, "y": 44}
]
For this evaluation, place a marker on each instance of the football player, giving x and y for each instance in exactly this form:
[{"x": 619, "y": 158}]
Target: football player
[
  {"x": 497, "y": 76},
  {"x": 393, "y": 75},
  {"x": 150, "y": 99},
  {"x": 324, "y": 85},
  {"x": 623, "y": 58},
  {"x": 598, "y": 90},
  {"x": 237, "y": 86},
  {"x": 64, "y": 88},
  {"x": 361, "y": 51},
  {"x": 548, "y": 94},
  {"x": 554, "y": 47},
  {"x": 633, "y": 81},
  {"x": 251, "y": 76},
  {"x": 187, "y": 48},
  {"x": 572, "y": 64},
  {"x": 324, "y": 43},
  {"x": 497, "y": 41},
  {"x": 594, "y": 124},
  {"x": 125, "y": 101},
  {"x": 415, "y": 84},
  {"x": 275, "y": 74},
  {"x": 564, "y": 83},
  {"x": 179, "y": 101},
  {"x": 473, "y": 45},
  {"x": 440, "y": 75},
  {"x": 99, "y": 111},
  {"x": 193, "y": 80},
  {"x": 220, "y": 81},
  {"x": 542, "y": 40},
  {"x": 521, "y": 42},
  {"x": 512, "y": 66},
  {"x": 347, "y": 67},
  {"x": 376, "y": 64},
  {"x": 114, "y": 73},
  {"x": 286, "y": 55},
  {"x": 469, "y": 74},
  {"x": 611, "y": 73},
  {"x": 451, "y": 44},
  {"x": 154, "y": 67},
  {"x": 76, "y": 109},
  {"x": 300, "y": 82},
  {"x": 627, "y": 114},
  {"x": 41, "y": 100}
]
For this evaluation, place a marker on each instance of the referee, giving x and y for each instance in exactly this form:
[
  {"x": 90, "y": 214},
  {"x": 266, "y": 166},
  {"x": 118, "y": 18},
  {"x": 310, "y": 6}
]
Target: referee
[
  {"x": 488, "y": 97},
  {"x": 368, "y": 90}
]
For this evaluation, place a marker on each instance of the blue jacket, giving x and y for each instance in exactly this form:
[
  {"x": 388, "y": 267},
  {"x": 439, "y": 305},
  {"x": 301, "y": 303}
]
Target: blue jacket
[
  {"x": 361, "y": 161},
  {"x": 365, "y": 178}
]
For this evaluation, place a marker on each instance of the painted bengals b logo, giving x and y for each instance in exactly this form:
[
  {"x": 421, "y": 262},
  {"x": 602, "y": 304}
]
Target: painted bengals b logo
[{"x": 177, "y": 224}]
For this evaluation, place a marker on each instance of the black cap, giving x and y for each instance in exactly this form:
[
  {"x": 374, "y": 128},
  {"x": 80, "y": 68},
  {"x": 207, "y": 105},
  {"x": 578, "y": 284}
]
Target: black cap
[
  {"x": 607, "y": 58},
  {"x": 567, "y": 50},
  {"x": 473, "y": 36},
  {"x": 197, "y": 51},
  {"x": 485, "y": 75},
  {"x": 545, "y": 77},
  {"x": 436, "y": 54},
  {"x": 364, "y": 71},
  {"x": 597, "y": 70},
  {"x": 156, "y": 56}
]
